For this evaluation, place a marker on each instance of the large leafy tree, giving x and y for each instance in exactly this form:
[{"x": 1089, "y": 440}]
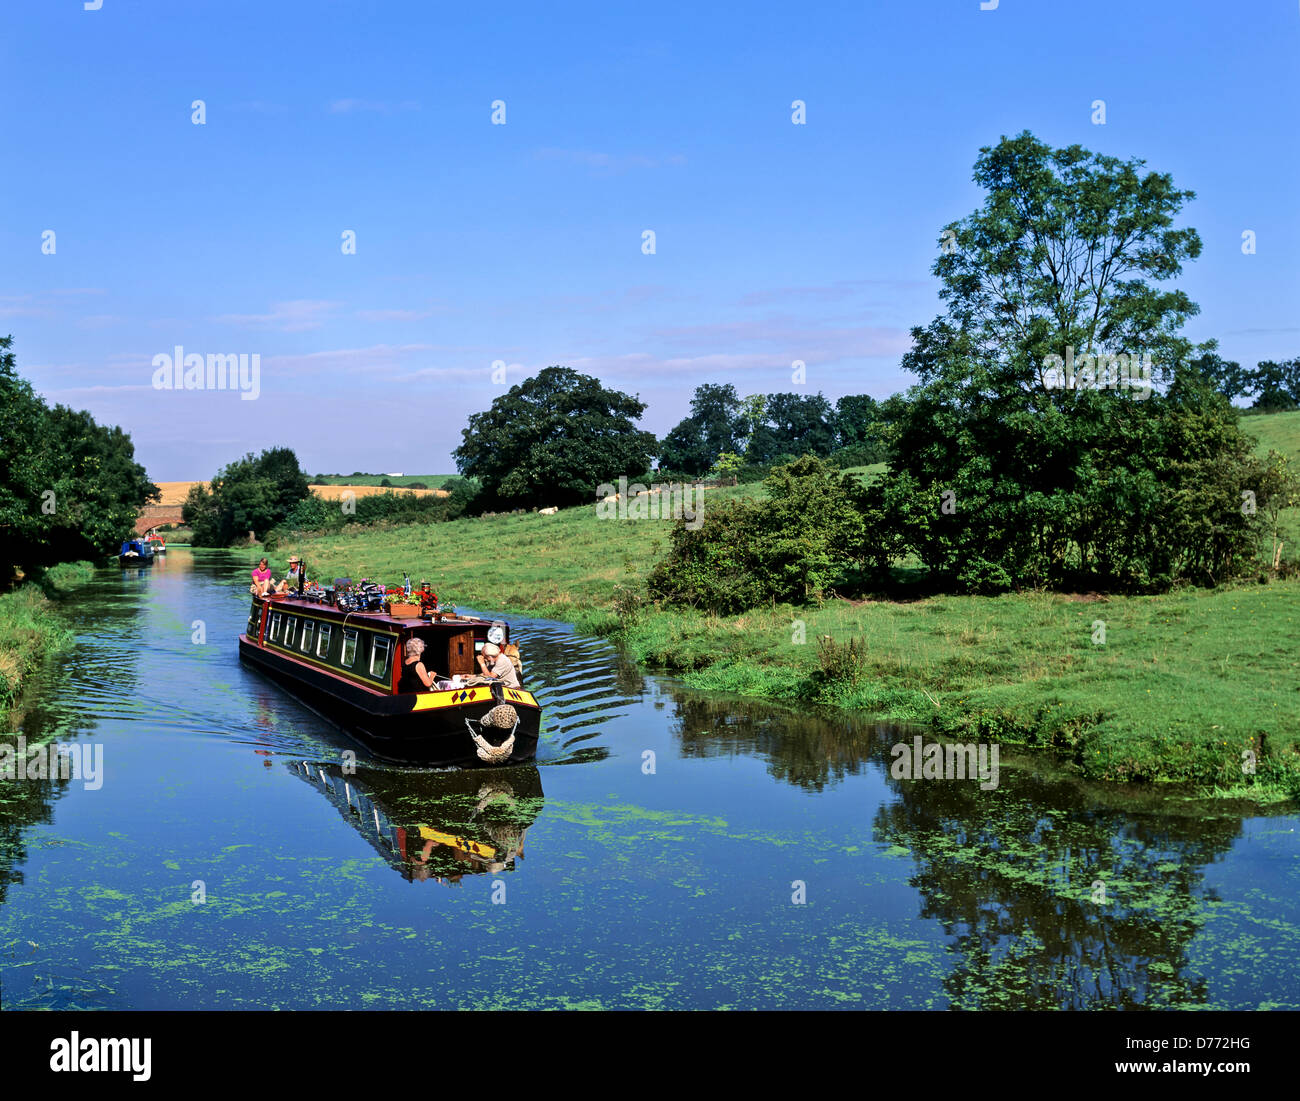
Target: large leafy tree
[
  {"x": 69, "y": 488},
  {"x": 1276, "y": 386},
  {"x": 1002, "y": 479},
  {"x": 716, "y": 425},
  {"x": 1225, "y": 376},
  {"x": 860, "y": 424},
  {"x": 552, "y": 439},
  {"x": 793, "y": 424},
  {"x": 253, "y": 493}
]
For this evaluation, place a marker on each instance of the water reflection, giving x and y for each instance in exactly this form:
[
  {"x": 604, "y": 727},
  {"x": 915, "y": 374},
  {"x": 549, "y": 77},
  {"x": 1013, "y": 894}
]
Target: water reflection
[
  {"x": 439, "y": 826},
  {"x": 989, "y": 897},
  {"x": 1052, "y": 893},
  {"x": 807, "y": 750}
]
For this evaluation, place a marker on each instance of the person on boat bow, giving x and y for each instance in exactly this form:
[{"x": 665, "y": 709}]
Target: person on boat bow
[{"x": 261, "y": 579}]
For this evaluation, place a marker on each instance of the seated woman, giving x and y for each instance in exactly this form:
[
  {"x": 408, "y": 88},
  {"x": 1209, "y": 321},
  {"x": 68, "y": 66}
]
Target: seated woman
[
  {"x": 497, "y": 666},
  {"x": 261, "y": 579},
  {"x": 415, "y": 677}
]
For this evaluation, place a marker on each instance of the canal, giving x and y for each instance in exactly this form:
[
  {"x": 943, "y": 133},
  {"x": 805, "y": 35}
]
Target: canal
[{"x": 669, "y": 849}]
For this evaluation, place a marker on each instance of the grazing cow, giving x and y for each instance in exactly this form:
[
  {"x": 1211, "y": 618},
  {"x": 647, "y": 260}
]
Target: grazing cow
[{"x": 548, "y": 511}]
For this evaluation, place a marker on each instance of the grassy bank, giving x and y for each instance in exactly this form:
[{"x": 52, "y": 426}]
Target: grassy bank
[
  {"x": 31, "y": 626},
  {"x": 66, "y": 576},
  {"x": 1181, "y": 686}
]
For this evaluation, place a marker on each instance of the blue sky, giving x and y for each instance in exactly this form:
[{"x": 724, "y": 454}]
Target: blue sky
[{"x": 522, "y": 242}]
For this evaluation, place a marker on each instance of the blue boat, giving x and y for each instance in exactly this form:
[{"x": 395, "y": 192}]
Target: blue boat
[{"x": 135, "y": 552}]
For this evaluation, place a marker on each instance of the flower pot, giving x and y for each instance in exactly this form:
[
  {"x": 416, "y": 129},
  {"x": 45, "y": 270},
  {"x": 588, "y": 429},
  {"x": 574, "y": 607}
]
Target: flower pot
[{"x": 404, "y": 611}]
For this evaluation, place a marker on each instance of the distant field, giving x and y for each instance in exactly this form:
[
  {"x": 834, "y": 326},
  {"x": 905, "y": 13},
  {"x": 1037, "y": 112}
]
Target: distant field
[
  {"x": 431, "y": 480},
  {"x": 174, "y": 493},
  {"x": 360, "y": 489}
]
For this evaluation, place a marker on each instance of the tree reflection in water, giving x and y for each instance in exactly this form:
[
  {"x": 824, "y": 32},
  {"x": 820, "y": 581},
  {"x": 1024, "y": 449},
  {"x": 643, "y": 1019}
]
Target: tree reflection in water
[{"x": 1011, "y": 874}]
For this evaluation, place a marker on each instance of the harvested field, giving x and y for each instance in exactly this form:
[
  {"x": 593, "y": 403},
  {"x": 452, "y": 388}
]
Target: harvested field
[
  {"x": 174, "y": 493},
  {"x": 335, "y": 493}
]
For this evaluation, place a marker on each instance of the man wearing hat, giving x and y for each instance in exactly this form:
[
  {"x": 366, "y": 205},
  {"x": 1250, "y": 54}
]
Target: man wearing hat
[
  {"x": 497, "y": 666},
  {"x": 290, "y": 583}
]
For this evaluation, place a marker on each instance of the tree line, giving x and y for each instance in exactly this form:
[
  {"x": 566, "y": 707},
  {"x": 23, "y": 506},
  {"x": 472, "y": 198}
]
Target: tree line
[
  {"x": 70, "y": 488},
  {"x": 996, "y": 476}
]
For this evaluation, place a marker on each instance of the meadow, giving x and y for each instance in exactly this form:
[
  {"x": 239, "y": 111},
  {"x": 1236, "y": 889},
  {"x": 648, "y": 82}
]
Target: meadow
[
  {"x": 1174, "y": 687},
  {"x": 433, "y": 481},
  {"x": 31, "y": 626}
]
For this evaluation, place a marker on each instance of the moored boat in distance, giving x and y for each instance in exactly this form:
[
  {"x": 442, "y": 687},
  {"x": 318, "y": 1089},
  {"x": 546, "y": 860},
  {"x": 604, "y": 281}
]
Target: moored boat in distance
[
  {"x": 135, "y": 552},
  {"x": 156, "y": 542},
  {"x": 346, "y": 666}
]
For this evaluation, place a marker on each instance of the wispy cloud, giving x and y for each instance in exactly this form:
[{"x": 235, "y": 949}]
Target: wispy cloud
[
  {"x": 831, "y": 292},
  {"x": 295, "y": 316},
  {"x": 382, "y": 107},
  {"x": 394, "y": 315},
  {"x": 346, "y": 359},
  {"x": 806, "y": 342},
  {"x": 23, "y": 305},
  {"x": 73, "y": 392},
  {"x": 608, "y": 162}
]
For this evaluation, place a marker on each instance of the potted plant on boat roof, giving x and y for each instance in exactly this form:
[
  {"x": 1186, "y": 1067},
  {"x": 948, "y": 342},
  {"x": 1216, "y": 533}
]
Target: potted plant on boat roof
[{"x": 400, "y": 604}]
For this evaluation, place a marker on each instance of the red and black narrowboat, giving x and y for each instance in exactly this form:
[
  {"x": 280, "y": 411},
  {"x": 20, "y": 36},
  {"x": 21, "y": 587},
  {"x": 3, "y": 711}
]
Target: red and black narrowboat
[{"x": 346, "y": 665}]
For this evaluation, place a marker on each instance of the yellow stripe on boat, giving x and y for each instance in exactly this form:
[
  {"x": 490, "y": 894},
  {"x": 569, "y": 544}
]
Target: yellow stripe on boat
[
  {"x": 456, "y": 696},
  {"x": 462, "y": 843}
]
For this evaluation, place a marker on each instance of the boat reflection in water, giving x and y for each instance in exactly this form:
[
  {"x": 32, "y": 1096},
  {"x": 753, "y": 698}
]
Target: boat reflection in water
[{"x": 435, "y": 825}]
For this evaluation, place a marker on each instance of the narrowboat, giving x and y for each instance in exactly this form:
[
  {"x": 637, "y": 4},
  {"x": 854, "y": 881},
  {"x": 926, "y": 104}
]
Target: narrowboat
[
  {"x": 156, "y": 542},
  {"x": 346, "y": 666},
  {"x": 438, "y": 826},
  {"x": 135, "y": 552}
]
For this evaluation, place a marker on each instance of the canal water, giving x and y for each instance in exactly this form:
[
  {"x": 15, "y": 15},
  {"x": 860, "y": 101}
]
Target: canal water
[{"x": 669, "y": 849}]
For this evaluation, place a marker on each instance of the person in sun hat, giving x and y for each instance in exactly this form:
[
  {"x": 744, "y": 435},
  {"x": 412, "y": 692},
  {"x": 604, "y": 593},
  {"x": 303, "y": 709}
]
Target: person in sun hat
[{"x": 497, "y": 666}]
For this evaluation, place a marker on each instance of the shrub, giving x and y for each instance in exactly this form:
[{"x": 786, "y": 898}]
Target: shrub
[{"x": 793, "y": 547}]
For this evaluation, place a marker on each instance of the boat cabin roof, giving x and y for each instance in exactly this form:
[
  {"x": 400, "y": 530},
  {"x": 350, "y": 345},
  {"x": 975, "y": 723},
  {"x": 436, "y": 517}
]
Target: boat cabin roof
[{"x": 288, "y": 603}]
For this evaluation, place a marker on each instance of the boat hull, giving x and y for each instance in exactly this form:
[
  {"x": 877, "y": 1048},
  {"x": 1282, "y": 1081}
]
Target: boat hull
[
  {"x": 135, "y": 559},
  {"x": 412, "y": 728}
]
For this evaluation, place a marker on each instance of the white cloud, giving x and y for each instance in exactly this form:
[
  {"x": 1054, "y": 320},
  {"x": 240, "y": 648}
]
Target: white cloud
[
  {"x": 288, "y": 317},
  {"x": 394, "y": 315}
]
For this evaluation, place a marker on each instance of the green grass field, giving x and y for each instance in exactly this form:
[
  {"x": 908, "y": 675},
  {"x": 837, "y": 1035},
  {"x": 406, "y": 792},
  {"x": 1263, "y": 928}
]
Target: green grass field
[
  {"x": 433, "y": 481},
  {"x": 1280, "y": 432},
  {"x": 31, "y": 626},
  {"x": 1183, "y": 684}
]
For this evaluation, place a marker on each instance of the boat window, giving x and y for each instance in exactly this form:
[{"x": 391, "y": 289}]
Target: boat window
[
  {"x": 323, "y": 641},
  {"x": 379, "y": 657},
  {"x": 290, "y": 627},
  {"x": 349, "y": 647},
  {"x": 308, "y": 630},
  {"x": 275, "y": 627}
]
